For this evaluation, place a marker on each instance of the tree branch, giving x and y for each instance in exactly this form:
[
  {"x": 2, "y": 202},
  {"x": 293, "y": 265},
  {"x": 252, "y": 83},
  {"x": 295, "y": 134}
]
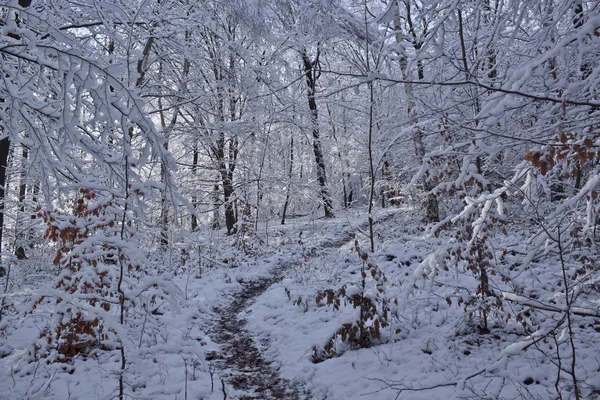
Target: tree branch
[{"x": 381, "y": 77}]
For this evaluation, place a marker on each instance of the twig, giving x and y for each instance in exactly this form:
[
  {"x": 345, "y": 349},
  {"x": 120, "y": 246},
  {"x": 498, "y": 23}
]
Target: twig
[
  {"x": 223, "y": 389},
  {"x": 396, "y": 386},
  {"x": 568, "y": 313},
  {"x": 213, "y": 261}
]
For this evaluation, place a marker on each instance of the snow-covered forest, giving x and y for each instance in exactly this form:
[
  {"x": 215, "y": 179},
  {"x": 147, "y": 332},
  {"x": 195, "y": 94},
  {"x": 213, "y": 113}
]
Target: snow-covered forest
[{"x": 299, "y": 199}]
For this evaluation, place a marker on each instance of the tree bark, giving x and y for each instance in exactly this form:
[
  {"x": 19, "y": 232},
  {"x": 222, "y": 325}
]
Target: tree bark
[
  {"x": 311, "y": 73},
  {"x": 431, "y": 209},
  {"x": 21, "y": 234},
  {"x": 226, "y": 169},
  {"x": 228, "y": 192},
  {"x": 287, "y": 194},
  {"x": 195, "y": 160},
  {"x": 4, "y": 151},
  {"x": 225, "y": 150},
  {"x": 344, "y": 174},
  {"x": 216, "y": 200},
  {"x": 164, "y": 212}
]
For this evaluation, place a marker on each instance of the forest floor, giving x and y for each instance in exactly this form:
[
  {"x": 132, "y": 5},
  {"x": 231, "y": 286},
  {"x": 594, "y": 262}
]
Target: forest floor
[
  {"x": 240, "y": 361},
  {"x": 238, "y": 358},
  {"x": 248, "y": 325}
]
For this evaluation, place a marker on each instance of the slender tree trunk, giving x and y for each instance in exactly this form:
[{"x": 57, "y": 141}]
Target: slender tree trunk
[
  {"x": 311, "y": 73},
  {"x": 259, "y": 190},
  {"x": 167, "y": 128},
  {"x": 586, "y": 70},
  {"x": 194, "y": 197},
  {"x": 34, "y": 199},
  {"x": 228, "y": 193},
  {"x": 141, "y": 69},
  {"x": 164, "y": 212},
  {"x": 371, "y": 169},
  {"x": 225, "y": 151},
  {"x": 23, "y": 179},
  {"x": 5, "y": 148},
  {"x": 21, "y": 233},
  {"x": 432, "y": 203},
  {"x": 339, "y": 156},
  {"x": 4, "y": 151},
  {"x": 164, "y": 233},
  {"x": 483, "y": 278},
  {"x": 370, "y": 141},
  {"x": 385, "y": 177},
  {"x": 232, "y": 153},
  {"x": 290, "y": 170},
  {"x": 226, "y": 169},
  {"x": 347, "y": 176},
  {"x": 216, "y": 200}
]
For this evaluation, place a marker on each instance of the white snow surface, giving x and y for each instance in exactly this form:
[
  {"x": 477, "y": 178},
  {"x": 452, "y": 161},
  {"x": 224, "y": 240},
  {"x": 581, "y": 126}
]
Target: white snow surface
[{"x": 429, "y": 351}]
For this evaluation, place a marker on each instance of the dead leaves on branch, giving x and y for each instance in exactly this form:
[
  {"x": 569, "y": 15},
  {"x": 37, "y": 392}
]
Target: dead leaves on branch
[
  {"x": 574, "y": 151},
  {"x": 368, "y": 296}
]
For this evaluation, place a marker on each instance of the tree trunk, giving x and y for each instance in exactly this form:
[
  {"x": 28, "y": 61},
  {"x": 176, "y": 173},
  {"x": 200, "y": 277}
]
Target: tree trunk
[
  {"x": 194, "y": 197},
  {"x": 287, "y": 194},
  {"x": 225, "y": 150},
  {"x": 164, "y": 218},
  {"x": 310, "y": 71},
  {"x": 431, "y": 208},
  {"x": 228, "y": 194},
  {"x": 216, "y": 200},
  {"x": 164, "y": 212},
  {"x": 4, "y": 151},
  {"x": 226, "y": 169},
  {"x": 35, "y": 192},
  {"x": 21, "y": 233},
  {"x": 385, "y": 177},
  {"x": 339, "y": 155},
  {"x": 23, "y": 180}
]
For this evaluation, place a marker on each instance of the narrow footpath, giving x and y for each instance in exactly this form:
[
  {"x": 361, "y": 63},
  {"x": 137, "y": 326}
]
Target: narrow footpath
[{"x": 240, "y": 361}]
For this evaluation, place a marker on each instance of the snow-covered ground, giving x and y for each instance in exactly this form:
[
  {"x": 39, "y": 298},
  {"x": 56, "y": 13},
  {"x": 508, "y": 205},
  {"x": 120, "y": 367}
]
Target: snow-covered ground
[
  {"x": 430, "y": 350},
  {"x": 425, "y": 353}
]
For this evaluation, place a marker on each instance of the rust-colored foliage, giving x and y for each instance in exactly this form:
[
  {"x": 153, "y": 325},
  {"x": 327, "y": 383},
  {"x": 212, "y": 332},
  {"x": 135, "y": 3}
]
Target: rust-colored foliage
[
  {"x": 573, "y": 150},
  {"x": 374, "y": 311},
  {"x": 78, "y": 333}
]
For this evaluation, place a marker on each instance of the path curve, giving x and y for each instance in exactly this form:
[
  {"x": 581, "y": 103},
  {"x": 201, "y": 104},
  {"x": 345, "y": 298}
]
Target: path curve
[
  {"x": 245, "y": 369},
  {"x": 239, "y": 359}
]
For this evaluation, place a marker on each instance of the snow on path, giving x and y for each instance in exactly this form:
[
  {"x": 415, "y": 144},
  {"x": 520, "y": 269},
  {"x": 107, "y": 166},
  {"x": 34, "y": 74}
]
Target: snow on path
[{"x": 239, "y": 358}]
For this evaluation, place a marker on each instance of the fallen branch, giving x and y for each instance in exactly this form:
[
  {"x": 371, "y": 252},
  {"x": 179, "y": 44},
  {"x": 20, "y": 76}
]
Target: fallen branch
[
  {"x": 460, "y": 383},
  {"x": 526, "y": 301}
]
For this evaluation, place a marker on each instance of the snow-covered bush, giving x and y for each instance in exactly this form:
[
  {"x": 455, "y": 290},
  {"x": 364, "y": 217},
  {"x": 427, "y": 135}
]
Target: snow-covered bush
[
  {"x": 369, "y": 298},
  {"x": 87, "y": 288}
]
